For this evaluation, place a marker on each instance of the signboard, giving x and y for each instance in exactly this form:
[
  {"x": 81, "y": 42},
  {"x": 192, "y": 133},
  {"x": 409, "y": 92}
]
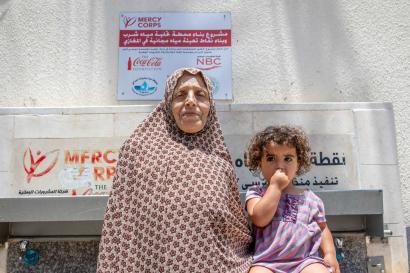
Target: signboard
[
  {"x": 65, "y": 167},
  {"x": 332, "y": 160},
  {"x": 154, "y": 44},
  {"x": 53, "y": 167}
]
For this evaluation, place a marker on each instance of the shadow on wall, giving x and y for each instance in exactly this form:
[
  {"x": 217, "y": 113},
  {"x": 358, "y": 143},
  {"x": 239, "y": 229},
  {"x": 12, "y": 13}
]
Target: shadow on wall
[
  {"x": 408, "y": 243},
  {"x": 324, "y": 55},
  {"x": 4, "y": 8},
  {"x": 91, "y": 30}
]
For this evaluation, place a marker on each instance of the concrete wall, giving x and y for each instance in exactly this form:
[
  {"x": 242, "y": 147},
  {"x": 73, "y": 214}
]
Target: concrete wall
[
  {"x": 62, "y": 53},
  {"x": 44, "y": 134}
]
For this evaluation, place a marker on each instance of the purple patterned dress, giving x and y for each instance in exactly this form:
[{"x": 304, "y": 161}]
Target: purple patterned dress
[{"x": 292, "y": 240}]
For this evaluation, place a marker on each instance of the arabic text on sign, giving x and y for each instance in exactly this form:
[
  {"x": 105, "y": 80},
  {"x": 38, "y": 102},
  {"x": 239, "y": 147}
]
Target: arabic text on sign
[{"x": 175, "y": 38}]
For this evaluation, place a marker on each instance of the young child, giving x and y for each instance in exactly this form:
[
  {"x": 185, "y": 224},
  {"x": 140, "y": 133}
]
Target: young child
[{"x": 289, "y": 223}]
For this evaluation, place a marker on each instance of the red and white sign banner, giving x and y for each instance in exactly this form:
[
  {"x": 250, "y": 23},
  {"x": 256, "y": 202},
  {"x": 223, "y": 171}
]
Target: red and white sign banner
[
  {"x": 55, "y": 167},
  {"x": 152, "y": 45},
  {"x": 175, "y": 38}
]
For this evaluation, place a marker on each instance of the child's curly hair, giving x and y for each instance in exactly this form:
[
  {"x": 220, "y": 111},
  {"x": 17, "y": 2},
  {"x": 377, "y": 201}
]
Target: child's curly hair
[{"x": 284, "y": 134}]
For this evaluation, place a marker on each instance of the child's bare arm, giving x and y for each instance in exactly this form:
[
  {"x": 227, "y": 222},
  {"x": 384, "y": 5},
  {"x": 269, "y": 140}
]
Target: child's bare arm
[
  {"x": 328, "y": 248},
  {"x": 261, "y": 210}
]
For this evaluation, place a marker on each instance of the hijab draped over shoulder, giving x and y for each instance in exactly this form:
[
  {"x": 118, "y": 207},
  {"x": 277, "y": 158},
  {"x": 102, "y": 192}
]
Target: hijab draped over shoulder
[{"x": 174, "y": 204}]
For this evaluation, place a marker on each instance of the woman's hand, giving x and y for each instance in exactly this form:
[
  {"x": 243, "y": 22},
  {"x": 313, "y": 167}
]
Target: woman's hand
[
  {"x": 279, "y": 179},
  {"x": 332, "y": 261}
]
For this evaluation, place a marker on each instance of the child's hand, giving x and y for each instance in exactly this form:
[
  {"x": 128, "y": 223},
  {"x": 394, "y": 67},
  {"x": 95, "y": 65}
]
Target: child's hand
[
  {"x": 332, "y": 261},
  {"x": 280, "y": 179}
]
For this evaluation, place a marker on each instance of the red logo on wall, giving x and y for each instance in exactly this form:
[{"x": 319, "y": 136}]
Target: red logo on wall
[
  {"x": 144, "y": 62},
  {"x": 128, "y": 21},
  {"x": 39, "y": 164}
]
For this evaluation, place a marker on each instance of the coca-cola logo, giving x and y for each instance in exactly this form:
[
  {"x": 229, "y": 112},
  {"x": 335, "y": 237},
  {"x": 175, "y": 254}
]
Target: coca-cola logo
[{"x": 144, "y": 62}]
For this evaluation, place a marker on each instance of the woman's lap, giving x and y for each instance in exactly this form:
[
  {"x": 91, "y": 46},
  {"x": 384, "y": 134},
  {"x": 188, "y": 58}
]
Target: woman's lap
[
  {"x": 315, "y": 268},
  {"x": 311, "y": 268},
  {"x": 260, "y": 269}
]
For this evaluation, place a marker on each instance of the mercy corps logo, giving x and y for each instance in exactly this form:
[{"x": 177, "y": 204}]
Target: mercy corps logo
[
  {"x": 39, "y": 164},
  {"x": 142, "y": 22},
  {"x": 128, "y": 21},
  {"x": 144, "y": 62}
]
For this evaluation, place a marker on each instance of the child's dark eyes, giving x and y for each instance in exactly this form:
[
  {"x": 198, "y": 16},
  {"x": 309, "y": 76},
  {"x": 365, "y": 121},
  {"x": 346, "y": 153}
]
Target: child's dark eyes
[{"x": 270, "y": 158}]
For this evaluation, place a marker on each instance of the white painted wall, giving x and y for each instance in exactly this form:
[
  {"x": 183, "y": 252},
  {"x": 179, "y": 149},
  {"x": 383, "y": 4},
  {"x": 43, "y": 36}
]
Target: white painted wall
[{"x": 62, "y": 53}]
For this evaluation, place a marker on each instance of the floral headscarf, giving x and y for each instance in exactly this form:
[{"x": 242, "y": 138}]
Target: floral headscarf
[{"x": 174, "y": 205}]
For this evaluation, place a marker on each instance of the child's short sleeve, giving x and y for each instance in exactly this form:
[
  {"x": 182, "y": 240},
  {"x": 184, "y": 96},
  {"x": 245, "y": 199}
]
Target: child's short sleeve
[
  {"x": 254, "y": 192},
  {"x": 318, "y": 209}
]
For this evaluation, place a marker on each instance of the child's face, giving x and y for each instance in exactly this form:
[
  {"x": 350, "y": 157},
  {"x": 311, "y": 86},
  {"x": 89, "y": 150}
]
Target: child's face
[{"x": 276, "y": 157}]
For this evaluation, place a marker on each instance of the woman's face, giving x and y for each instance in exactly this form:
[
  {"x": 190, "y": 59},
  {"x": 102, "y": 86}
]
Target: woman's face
[{"x": 190, "y": 103}]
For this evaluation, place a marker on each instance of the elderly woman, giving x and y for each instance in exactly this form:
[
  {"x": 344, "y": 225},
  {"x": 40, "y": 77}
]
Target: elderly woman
[{"x": 174, "y": 204}]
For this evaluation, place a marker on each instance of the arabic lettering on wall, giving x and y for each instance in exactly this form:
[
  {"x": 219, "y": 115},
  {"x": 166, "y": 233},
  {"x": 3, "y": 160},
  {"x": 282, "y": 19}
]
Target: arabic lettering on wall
[
  {"x": 319, "y": 159},
  {"x": 327, "y": 160}
]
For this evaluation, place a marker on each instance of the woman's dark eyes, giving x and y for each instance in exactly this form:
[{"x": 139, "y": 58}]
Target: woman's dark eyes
[
  {"x": 184, "y": 94},
  {"x": 179, "y": 94},
  {"x": 270, "y": 158},
  {"x": 288, "y": 159}
]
